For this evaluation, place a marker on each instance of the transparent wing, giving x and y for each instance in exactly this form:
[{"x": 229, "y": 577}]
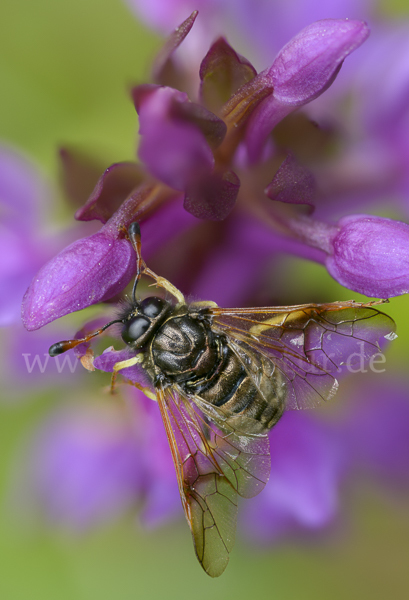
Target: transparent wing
[
  {"x": 213, "y": 464},
  {"x": 307, "y": 345}
]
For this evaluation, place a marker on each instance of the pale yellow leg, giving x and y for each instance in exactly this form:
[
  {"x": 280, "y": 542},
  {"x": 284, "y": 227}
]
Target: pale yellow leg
[
  {"x": 147, "y": 391},
  {"x": 123, "y": 364},
  {"x": 166, "y": 285},
  {"x": 203, "y": 304}
]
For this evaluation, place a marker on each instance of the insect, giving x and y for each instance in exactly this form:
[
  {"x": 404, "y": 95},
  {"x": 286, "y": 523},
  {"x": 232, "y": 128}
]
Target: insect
[{"x": 222, "y": 379}]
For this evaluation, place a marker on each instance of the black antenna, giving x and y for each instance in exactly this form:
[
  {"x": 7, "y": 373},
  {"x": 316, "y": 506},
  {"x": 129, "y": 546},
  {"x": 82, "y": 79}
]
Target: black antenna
[{"x": 61, "y": 347}]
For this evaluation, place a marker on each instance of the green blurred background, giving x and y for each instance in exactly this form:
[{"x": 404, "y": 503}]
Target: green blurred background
[{"x": 64, "y": 70}]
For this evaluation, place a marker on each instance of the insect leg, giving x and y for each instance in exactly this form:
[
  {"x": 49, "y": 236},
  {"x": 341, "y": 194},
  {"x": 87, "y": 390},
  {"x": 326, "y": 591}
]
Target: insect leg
[
  {"x": 134, "y": 234},
  {"x": 147, "y": 391},
  {"x": 123, "y": 364},
  {"x": 166, "y": 285},
  {"x": 203, "y": 304}
]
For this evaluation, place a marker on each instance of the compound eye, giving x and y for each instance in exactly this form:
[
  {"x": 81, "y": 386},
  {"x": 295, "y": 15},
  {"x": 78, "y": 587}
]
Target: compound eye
[
  {"x": 152, "y": 307},
  {"x": 134, "y": 329}
]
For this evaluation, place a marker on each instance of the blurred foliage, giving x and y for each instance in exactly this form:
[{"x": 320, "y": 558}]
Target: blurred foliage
[{"x": 65, "y": 68}]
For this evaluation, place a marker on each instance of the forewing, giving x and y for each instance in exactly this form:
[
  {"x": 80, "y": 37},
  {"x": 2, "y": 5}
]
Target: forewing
[
  {"x": 307, "y": 345},
  {"x": 212, "y": 467}
]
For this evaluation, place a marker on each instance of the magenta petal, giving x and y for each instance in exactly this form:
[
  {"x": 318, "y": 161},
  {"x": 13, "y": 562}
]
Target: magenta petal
[
  {"x": 90, "y": 270},
  {"x": 176, "y": 154},
  {"x": 213, "y": 128},
  {"x": 108, "y": 359},
  {"x": 303, "y": 70},
  {"x": 292, "y": 183},
  {"x": 174, "y": 151},
  {"x": 307, "y": 65}
]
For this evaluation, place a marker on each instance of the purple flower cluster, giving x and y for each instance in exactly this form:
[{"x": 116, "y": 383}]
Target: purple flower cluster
[
  {"x": 231, "y": 175},
  {"x": 220, "y": 153}
]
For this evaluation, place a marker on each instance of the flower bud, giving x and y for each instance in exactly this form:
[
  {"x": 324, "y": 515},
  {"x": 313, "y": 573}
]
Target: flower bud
[
  {"x": 302, "y": 71},
  {"x": 371, "y": 256},
  {"x": 90, "y": 270}
]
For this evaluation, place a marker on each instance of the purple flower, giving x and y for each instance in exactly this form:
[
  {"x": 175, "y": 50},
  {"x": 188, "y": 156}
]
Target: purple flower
[
  {"x": 91, "y": 462},
  {"x": 308, "y": 463},
  {"x": 231, "y": 174},
  {"x": 23, "y": 199},
  {"x": 208, "y": 159},
  {"x": 97, "y": 452},
  {"x": 377, "y": 431}
]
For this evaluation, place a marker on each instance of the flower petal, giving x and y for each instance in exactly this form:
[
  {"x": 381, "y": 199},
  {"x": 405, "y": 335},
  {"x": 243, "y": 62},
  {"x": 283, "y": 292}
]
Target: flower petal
[
  {"x": 222, "y": 73},
  {"x": 378, "y": 428},
  {"x": 110, "y": 191},
  {"x": 84, "y": 468},
  {"x": 162, "y": 66},
  {"x": 108, "y": 359},
  {"x": 213, "y": 128},
  {"x": 23, "y": 192},
  {"x": 213, "y": 197},
  {"x": 308, "y": 64},
  {"x": 174, "y": 151},
  {"x": 292, "y": 183}
]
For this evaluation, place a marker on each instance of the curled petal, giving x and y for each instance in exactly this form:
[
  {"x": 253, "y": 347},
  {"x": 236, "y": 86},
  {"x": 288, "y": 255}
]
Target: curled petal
[
  {"x": 303, "y": 70},
  {"x": 112, "y": 188},
  {"x": 213, "y": 128},
  {"x": 90, "y": 270}
]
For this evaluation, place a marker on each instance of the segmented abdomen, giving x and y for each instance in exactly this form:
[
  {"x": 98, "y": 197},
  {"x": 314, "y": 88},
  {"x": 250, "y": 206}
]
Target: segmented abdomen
[{"x": 191, "y": 354}]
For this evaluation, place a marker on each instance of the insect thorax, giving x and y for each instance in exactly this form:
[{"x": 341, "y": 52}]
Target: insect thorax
[{"x": 187, "y": 351}]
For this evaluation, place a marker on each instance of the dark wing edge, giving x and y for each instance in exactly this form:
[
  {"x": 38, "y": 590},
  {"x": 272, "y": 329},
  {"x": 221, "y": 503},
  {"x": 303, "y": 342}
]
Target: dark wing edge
[
  {"x": 213, "y": 465},
  {"x": 208, "y": 499},
  {"x": 307, "y": 345}
]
